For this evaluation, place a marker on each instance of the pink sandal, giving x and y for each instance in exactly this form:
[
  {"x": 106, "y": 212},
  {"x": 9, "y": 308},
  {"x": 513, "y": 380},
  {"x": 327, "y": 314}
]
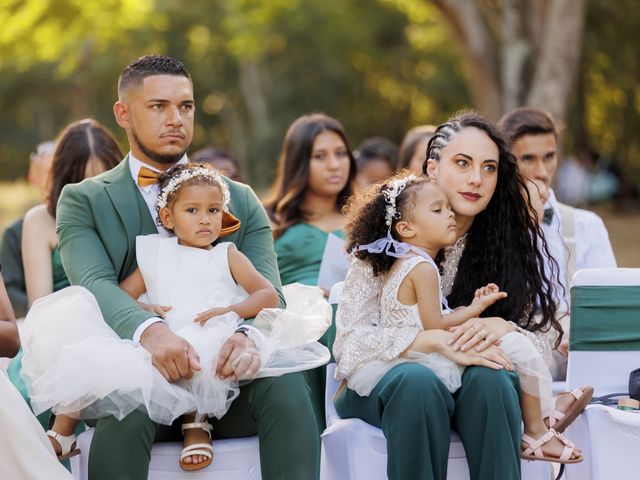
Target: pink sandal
[
  {"x": 558, "y": 420},
  {"x": 533, "y": 450}
]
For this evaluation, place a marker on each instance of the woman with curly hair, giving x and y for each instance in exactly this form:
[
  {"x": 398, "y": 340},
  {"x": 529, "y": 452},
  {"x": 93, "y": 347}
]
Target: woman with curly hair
[
  {"x": 316, "y": 174},
  {"x": 497, "y": 240}
]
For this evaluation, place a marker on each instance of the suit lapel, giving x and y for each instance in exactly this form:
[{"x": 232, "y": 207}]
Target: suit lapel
[{"x": 128, "y": 202}]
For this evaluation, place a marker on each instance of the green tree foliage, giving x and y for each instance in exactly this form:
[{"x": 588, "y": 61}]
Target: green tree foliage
[{"x": 381, "y": 67}]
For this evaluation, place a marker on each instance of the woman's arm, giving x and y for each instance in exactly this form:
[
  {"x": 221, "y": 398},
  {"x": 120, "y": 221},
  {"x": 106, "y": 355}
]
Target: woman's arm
[
  {"x": 262, "y": 294},
  {"x": 38, "y": 240},
  {"x": 9, "y": 339}
]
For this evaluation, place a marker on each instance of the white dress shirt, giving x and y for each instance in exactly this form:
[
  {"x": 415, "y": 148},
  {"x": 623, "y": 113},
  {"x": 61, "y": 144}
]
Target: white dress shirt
[{"x": 593, "y": 248}]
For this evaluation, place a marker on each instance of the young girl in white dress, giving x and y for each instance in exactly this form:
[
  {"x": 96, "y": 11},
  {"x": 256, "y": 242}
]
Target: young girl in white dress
[
  {"x": 75, "y": 364},
  {"x": 398, "y": 227}
]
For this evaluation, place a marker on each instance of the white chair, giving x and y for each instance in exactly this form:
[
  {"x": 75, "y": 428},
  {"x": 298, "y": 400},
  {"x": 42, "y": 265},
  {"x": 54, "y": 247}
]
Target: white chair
[
  {"x": 609, "y": 438},
  {"x": 233, "y": 459},
  {"x": 354, "y": 450}
]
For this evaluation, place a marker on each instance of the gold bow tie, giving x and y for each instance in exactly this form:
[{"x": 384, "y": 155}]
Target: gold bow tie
[{"x": 147, "y": 177}]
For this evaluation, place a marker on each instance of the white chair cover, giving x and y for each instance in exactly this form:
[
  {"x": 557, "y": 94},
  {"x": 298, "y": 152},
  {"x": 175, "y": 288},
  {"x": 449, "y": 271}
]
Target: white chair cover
[
  {"x": 233, "y": 459},
  {"x": 609, "y": 438}
]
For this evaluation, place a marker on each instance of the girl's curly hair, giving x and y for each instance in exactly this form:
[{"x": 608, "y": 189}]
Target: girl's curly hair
[
  {"x": 166, "y": 176},
  {"x": 366, "y": 218}
]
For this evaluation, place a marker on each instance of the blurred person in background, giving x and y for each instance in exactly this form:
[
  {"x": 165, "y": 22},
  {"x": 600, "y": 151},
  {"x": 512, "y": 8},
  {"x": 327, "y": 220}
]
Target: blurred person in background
[
  {"x": 221, "y": 160},
  {"x": 11, "y": 250},
  {"x": 577, "y": 239},
  {"x": 316, "y": 173},
  {"x": 376, "y": 159},
  {"x": 413, "y": 149},
  {"x": 84, "y": 149},
  {"x": 26, "y": 452}
]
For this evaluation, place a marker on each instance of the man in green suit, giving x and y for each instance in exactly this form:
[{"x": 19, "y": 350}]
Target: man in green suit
[{"x": 97, "y": 223}]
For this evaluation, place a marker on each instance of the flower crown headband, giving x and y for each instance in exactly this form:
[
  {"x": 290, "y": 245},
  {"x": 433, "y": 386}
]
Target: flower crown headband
[
  {"x": 391, "y": 194},
  {"x": 188, "y": 174}
]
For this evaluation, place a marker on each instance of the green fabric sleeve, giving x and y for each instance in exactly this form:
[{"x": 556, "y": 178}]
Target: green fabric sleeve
[{"x": 88, "y": 264}]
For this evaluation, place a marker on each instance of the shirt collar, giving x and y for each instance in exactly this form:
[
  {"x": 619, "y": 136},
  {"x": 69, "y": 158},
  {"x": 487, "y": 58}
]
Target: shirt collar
[{"x": 135, "y": 165}]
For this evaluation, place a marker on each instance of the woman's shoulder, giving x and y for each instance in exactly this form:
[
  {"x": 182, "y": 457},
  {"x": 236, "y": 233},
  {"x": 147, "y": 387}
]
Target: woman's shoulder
[{"x": 40, "y": 220}]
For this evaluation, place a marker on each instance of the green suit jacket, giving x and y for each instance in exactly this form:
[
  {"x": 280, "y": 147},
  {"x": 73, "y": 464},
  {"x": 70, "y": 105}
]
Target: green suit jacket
[{"x": 97, "y": 224}]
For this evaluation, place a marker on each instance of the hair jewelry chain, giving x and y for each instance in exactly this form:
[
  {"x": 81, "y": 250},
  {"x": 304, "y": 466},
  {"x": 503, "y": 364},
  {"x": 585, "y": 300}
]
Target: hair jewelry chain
[{"x": 188, "y": 174}]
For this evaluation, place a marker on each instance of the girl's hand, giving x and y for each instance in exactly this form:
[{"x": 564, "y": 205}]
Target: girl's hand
[
  {"x": 487, "y": 296},
  {"x": 159, "y": 310},
  {"x": 204, "y": 317},
  {"x": 479, "y": 333}
]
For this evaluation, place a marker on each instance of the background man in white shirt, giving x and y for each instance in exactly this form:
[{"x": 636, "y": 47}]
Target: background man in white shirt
[{"x": 577, "y": 238}]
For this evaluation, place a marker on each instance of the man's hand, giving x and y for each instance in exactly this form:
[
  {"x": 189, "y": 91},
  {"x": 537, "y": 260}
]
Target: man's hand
[
  {"x": 238, "y": 358},
  {"x": 171, "y": 354}
]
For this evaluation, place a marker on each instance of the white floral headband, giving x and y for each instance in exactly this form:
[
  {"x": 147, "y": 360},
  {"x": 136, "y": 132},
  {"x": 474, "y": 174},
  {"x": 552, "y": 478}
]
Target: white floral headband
[
  {"x": 391, "y": 194},
  {"x": 188, "y": 174}
]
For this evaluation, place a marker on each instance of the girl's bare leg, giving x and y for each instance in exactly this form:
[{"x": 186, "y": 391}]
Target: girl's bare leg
[{"x": 65, "y": 426}]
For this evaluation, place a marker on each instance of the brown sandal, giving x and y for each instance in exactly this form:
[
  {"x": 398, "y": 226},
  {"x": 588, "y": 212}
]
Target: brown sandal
[
  {"x": 558, "y": 420},
  {"x": 533, "y": 450}
]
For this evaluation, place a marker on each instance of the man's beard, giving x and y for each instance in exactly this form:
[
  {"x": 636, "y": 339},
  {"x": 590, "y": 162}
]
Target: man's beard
[{"x": 155, "y": 156}]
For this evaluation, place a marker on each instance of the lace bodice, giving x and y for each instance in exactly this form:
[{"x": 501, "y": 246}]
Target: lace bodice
[{"x": 392, "y": 311}]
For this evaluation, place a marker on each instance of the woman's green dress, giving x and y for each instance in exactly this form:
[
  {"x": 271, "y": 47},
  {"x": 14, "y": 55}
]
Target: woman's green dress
[{"x": 300, "y": 249}]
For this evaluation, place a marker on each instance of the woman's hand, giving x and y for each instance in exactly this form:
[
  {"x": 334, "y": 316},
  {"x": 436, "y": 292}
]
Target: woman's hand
[
  {"x": 479, "y": 333},
  {"x": 430, "y": 341}
]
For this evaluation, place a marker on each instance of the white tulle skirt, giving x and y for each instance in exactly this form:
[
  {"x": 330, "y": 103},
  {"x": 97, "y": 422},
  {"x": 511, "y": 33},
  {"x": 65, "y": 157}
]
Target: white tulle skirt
[
  {"x": 365, "y": 378},
  {"x": 535, "y": 378},
  {"x": 75, "y": 364}
]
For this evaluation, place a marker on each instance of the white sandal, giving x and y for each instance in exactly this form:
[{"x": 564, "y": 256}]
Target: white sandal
[
  {"x": 67, "y": 444},
  {"x": 204, "y": 449}
]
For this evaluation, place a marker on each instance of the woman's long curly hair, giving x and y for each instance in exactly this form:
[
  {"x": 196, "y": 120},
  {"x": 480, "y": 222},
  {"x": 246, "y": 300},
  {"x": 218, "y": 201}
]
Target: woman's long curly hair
[
  {"x": 505, "y": 244},
  {"x": 367, "y": 222},
  {"x": 284, "y": 205}
]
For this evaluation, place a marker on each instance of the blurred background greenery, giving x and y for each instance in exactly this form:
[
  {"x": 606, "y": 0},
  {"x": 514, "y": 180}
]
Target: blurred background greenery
[{"x": 380, "y": 66}]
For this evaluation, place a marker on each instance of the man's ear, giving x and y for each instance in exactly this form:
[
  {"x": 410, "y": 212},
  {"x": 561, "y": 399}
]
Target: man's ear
[
  {"x": 432, "y": 168},
  {"x": 405, "y": 229},
  {"x": 121, "y": 112},
  {"x": 165, "y": 218}
]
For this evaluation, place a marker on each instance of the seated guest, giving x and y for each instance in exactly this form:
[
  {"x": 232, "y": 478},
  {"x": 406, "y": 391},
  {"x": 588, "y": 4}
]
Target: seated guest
[
  {"x": 413, "y": 149},
  {"x": 11, "y": 250},
  {"x": 577, "y": 238},
  {"x": 376, "y": 159},
  {"x": 26, "y": 452},
  {"x": 84, "y": 149},
  {"x": 221, "y": 160},
  {"x": 315, "y": 178}
]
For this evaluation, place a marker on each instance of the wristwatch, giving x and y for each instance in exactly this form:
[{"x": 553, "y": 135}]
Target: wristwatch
[{"x": 243, "y": 330}]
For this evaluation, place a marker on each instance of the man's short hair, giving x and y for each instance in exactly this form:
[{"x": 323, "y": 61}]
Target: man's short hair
[
  {"x": 150, "y": 65},
  {"x": 526, "y": 121}
]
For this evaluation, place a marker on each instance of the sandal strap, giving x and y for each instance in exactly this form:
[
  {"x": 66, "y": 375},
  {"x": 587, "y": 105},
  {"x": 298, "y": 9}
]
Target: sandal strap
[
  {"x": 568, "y": 449},
  {"x": 66, "y": 443},
  {"x": 206, "y": 426},
  {"x": 536, "y": 444},
  {"x": 555, "y": 416},
  {"x": 204, "y": 449}
]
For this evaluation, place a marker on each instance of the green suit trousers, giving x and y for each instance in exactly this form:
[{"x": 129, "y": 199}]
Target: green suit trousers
[
  {"x": 416, "y": 413},
  {"x": 277, "y": 409}
]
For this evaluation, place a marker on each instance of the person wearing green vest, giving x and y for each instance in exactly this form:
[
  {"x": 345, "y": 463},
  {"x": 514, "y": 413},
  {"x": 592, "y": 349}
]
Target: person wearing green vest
[
  {"x": 98, "y": 221},
  {"x": 84, "y": 149},
  {"x": 497, "y": 241},
  {"x": 316, "y": 172}
]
